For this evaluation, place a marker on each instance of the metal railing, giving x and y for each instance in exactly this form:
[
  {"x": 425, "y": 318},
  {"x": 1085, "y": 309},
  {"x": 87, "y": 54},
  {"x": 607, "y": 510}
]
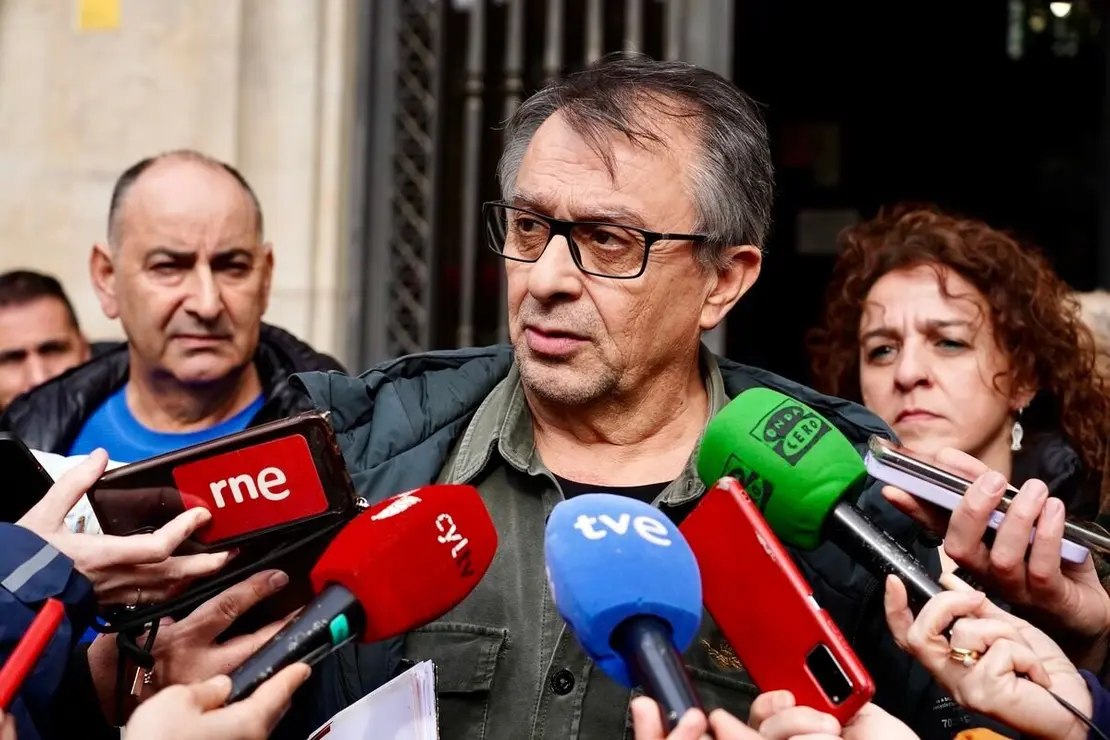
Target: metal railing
[{"x": 438, "y": 78}]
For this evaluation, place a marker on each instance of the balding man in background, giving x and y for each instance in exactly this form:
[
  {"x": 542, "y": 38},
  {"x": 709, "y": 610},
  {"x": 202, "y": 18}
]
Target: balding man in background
[{"x": 187, "y": 272}]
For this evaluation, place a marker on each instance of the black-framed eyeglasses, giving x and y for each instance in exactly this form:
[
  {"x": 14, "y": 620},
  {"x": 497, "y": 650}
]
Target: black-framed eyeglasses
[{"x": 598, "y": 248}]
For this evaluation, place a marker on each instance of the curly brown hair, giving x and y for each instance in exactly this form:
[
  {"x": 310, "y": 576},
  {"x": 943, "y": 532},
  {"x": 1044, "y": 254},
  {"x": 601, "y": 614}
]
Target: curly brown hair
[{"x": 1036, "y": 320}]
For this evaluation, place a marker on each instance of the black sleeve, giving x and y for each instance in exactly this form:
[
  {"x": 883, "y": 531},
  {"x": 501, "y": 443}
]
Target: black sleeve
[{"x": 76, "y": 706}]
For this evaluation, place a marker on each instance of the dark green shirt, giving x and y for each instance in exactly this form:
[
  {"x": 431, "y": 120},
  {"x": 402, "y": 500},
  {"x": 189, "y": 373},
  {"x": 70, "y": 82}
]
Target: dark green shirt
[{"x": 509, "y": 668}]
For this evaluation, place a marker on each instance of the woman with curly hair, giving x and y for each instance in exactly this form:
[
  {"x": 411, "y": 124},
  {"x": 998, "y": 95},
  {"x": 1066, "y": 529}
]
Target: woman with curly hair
[{"x": 959, "y": 337}]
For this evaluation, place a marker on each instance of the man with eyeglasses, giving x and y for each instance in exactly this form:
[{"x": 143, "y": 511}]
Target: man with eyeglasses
[{"x": 636, "y": 197}]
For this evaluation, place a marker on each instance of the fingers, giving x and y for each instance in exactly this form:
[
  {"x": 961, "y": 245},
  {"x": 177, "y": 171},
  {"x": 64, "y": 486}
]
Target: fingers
[
  {"x": 235, "y": 651},
  {"x": 691, "y": 726},
  {"x": 727, "y": 727},
  {"x": 980, "y": 634},
  {"x": 7, "y": 727},
  {"x": 768, "y": 704},
  {"x": 155, "y": 546},
  {"x": 933, "y": 518},
  {"x": 961, "y": 463},
  {"x": 158, "y": 582},
  {"x": 1043, "y": 571},
  {"x": 953, "y": 582},
  {"x": 68, "y": 490},
  {"x": 979, "y": 688},
  {"x": 171, "y": 535},
  {"x": 1007, "y": 559},
  {"x": 218, "y": 613},
  {"x": 268, "y": 703},
  {"x": 964, "y": 539},
  {"x": 897, "y": 606},
  {"x": 796, "y": 721},
  {"x": 212, "y": 693},
  {"x": 925, "y": 635},
  {"x": 647, "y": 724}
]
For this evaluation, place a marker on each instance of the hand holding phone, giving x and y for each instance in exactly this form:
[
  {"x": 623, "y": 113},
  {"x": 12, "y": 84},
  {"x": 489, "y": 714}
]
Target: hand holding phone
[
  {"x": 899, "y": 467},
  {"x": 766, "y": 610},
  {"x": 123, "y": 570}
]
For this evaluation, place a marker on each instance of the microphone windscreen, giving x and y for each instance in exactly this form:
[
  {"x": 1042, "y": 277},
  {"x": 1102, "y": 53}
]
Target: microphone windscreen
[
  {"x": 610, "y": 558},
  {"x": 793, "y": 463},
  {"x": 411, "y": 558}
]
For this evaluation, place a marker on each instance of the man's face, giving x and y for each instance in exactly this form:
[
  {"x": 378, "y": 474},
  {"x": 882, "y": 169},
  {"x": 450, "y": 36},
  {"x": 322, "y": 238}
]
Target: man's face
[
  {"x": 38, "y": 341},
  {"x": 188, "y": 278},
  {"x": 579, "y": 338}
]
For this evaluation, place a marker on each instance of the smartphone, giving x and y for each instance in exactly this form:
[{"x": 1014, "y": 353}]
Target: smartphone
[
  {"x": 766, "y": 610},
  {"x": 270, "y": 478},
  {"x": 280, "y": 487},
  {"x": 25, "y": 479},
  {"x": 899, "y": 467}
]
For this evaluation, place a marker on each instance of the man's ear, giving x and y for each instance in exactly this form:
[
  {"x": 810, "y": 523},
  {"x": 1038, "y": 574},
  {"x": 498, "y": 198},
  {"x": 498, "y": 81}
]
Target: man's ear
[
  {"x": 267, "y": 274},
  {"x": 102, "y": 271},
  {"x": 730, "y": 283}
]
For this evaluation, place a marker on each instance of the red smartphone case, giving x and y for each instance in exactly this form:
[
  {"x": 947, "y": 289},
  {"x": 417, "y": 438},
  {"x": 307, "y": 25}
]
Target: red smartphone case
[{"x": 766, "y": 610}]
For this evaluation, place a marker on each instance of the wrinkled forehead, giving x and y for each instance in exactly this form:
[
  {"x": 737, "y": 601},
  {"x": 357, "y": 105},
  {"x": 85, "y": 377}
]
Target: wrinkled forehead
[
  {"x": 187, "y": 204},
  {"x": 581, "y": 174},
  {"x": 920, "y": 298}
]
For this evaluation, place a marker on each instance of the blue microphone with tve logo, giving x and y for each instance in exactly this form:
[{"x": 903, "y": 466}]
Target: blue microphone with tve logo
[{"x": 627, "y": 583}]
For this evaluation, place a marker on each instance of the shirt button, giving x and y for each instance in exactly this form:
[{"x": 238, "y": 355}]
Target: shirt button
[{"x": 562, "y": 682}]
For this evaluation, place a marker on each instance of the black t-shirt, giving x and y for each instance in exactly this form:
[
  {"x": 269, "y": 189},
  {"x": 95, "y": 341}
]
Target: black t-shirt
[{"x": 646, "y": 493}]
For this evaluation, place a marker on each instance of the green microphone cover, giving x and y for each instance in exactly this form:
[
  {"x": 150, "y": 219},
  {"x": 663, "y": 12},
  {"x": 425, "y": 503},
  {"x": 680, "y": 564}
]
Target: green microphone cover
[{"x": 793, "y": 463}]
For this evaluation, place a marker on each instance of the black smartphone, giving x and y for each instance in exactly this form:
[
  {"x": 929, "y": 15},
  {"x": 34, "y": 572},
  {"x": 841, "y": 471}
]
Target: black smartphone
[{"x": 25, "y": 479}]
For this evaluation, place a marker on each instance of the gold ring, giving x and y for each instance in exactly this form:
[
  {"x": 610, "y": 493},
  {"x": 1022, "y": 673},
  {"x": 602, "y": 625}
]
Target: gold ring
[{"x": 962, "y": 655}]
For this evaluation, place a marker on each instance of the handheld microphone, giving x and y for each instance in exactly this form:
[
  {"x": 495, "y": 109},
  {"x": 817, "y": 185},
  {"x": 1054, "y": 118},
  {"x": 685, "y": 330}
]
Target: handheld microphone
[
  {"x": 803, "y": 473},
  {"x": 396, "y": 566},
  {"x": 626, "y": 582}
]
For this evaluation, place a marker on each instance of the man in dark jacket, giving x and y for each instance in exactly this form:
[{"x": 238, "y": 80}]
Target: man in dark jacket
[
  {"x": 637, "y": 196},
  {"x": 187, "y": 272}
]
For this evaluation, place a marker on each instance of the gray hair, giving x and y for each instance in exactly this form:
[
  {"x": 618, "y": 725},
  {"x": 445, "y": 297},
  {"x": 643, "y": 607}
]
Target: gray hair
[{"x": 732, "y": 180}]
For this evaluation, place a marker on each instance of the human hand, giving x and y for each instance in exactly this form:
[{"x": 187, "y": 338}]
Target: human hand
[
  {"x": 647, "y": 722},
  {"x": 196, "y": 711},
  {"x": 186, "y": 652},
  {"x": 123, "y": 570},
  {"x": 777, "y": 716},
  {"x": 1028, "y": 574},
  {"x": 1008, "y": 666}
]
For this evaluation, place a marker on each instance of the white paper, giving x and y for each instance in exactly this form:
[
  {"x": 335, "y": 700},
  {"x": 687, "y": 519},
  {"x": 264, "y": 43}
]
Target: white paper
[
  {"x": 80, "y": 517},
  {"x": 403, "y": 709}
]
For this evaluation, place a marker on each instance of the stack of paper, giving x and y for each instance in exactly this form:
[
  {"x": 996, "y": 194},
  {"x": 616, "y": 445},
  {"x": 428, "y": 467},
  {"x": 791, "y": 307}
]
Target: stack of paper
[{"x": 403, "y": 709}]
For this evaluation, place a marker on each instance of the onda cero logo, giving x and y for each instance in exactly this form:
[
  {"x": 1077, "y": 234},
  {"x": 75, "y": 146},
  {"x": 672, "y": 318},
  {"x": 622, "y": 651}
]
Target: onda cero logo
[
  {"x": 790, "y": 430},
  {"x": 253, "y": 488},
  {"x": 756, "y": 486}
]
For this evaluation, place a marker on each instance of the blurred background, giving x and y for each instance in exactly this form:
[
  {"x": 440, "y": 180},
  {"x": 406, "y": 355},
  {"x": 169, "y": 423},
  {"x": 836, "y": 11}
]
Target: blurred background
[{"x": 370, "y": 130}]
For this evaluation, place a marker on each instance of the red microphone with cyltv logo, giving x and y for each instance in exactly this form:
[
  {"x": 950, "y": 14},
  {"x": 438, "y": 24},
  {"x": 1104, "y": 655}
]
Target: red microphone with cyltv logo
[{"x": 398, "y": 566}]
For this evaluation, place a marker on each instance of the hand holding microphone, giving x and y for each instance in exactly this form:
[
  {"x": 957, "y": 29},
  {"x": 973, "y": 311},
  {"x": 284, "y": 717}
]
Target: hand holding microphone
[
  {"x": 647, "y": 724},
  {"x": 980, "y": 665},
  {"x": 196, "y": 711},
  {"x": 396, "y": 566}
]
